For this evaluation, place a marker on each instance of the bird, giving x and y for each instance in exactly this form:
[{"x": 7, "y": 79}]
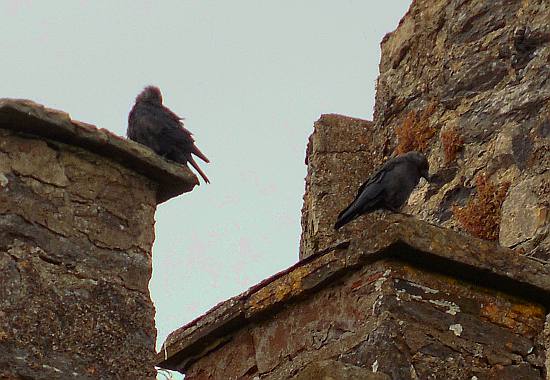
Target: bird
[
  {"x": 388, "y": 188},
  {"x": 152, "y": 124}
]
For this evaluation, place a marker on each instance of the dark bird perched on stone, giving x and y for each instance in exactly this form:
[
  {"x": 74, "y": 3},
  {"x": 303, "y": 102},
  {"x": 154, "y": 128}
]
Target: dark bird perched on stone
[
  {"x": 154, "y": 125},
  {"x": 388, "y": 188}
]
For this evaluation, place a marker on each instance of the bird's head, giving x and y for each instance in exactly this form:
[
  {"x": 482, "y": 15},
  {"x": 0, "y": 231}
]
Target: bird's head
[
  {"x": 150, "y": 94},
  {"x": 421, "y": 163}
]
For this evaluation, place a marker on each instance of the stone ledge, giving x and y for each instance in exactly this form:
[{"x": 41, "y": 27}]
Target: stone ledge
[
  {"x": 29, "y": 117},
  {"x": 396, "y": 237}
]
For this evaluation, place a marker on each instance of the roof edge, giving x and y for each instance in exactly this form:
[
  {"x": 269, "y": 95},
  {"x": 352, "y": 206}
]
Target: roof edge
[{"x": 437, "y": 249}]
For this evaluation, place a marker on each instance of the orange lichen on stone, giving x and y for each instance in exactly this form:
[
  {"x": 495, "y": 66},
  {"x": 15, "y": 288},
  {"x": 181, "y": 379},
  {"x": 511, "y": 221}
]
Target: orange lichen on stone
[
  {"x": 278, "y": 291},
  {"x": 481, "y": 216},
  {"x": 416, "y": 131},
  {"x": 517, "y": 317},
  {"x": 452, "y": 144},
  {"x": 293, "y": 281}
]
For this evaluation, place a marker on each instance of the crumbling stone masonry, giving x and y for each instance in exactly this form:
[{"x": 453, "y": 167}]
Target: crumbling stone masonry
[
  {"x": 77, "y": 211},
  {"x": 481, "y": 70},
  {"x": 340, "y": 155},
  {"x": 402, "y": 300},
  {"x": 464, "y": 76},
  {"x": 393, "y": 296}
]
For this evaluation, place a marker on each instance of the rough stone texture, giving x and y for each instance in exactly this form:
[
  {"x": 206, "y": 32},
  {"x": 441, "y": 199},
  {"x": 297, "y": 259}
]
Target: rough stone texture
[
  {"x": 405, "y": 298},
  {"x": 527, "y": 215},
  {"x": 339, "y": 157},
  {"x": 386, "y": 319},
  {"x": 465, "y": 81},
  {"x": 484, "y": 66},
  {"x": 76, "y": 231},
  {"x": 472, "y": 74},
  {"x": 335, "y": 370}
]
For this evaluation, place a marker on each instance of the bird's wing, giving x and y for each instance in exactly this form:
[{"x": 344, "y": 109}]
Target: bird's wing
[
  {"x": 368, "y": 193},
  {"x": 176, "y": 119},
  {"x": 379, "y": 174},
  {"x": 174, "y": 132},
  {"x": 144, "y": 129},
  {"x": 367, "y": 197},
  {"x": 171, "y": 114}
]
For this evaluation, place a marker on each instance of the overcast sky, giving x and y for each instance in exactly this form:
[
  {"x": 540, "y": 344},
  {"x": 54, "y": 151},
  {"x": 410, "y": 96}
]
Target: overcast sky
[{"x": 250, "y": 77}]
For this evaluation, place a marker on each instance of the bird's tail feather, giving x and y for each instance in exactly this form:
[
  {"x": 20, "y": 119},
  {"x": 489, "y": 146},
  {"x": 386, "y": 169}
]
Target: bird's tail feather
[
  {"x": 198, "y": 169},
  {"x": 358, "y": 207},
  {"x": 196, "y": 151},
  {"x": 346, "y": 216}
]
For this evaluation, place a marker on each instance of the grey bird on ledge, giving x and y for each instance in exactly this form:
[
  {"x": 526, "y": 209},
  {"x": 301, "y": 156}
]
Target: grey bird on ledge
[
  {"x": 154, "y": 125},
  {"x": 388, "y": 188}
]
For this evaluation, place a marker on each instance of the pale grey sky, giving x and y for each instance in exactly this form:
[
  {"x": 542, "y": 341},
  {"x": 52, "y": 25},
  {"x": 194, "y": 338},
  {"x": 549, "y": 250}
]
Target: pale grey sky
[{"x": 250, "y": 77}]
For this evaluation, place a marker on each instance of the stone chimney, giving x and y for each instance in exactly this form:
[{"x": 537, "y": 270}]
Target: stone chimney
[
  {"x": 77, "y": 209},
  {"x": 339, "y": 157}
]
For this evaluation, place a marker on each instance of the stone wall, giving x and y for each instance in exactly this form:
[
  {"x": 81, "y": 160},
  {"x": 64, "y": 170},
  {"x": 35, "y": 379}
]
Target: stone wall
[
  {"x": 466, "y": 83},
  {"x": 388, "y": 321},
  {"x": 403, "y": 299},
  {"x": 469, "y": 81},
  {"x": 75, "y": 243}
]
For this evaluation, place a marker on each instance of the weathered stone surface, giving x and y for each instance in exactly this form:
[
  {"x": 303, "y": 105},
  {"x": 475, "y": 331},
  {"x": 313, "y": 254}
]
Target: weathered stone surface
[
  {"x": 76, "y": 232},
  {"x": 233, "y": 361},
  {"x": 335, "y": 370},
  {"x": 392, "y": 319},
  {"x": 525, "y": 216},
  {"x": 339, "y": 158},
  {"x": 377, "y": 302},
  {"x": 465, "y": 81},
  {"x": 29, "y": 117},
  {"x": 484, "y": 66},
  {"x": 546, "y": 342}
]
